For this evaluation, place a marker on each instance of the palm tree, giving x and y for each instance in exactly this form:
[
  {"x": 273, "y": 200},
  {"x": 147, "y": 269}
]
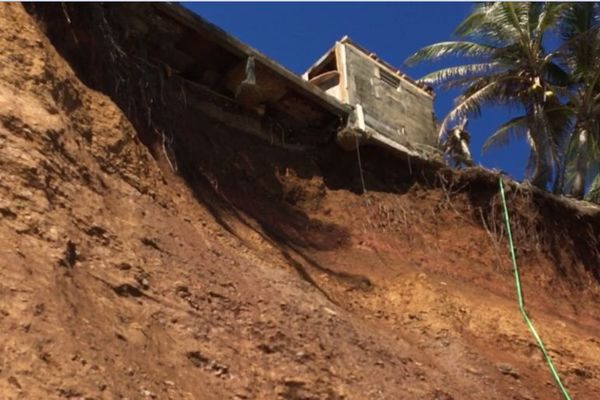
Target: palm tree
[
  {"x": 510, "y": 67},
  {"x": 580, "y": 53}
]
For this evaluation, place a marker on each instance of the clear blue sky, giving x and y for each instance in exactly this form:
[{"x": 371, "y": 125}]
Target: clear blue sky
[{"x": 297, "y": 34}]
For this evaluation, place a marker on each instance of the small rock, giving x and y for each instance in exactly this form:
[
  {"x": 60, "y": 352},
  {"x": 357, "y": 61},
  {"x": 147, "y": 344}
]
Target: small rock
[
  {"x": 197, "y": 359},
  {"x": 124, "y": 266},
  {"x": 472, "y": 370},
  {"x": 267, "y": 348},
  {"x": 293, "y": 382},
  {"x": 145, "y": 284},
  {"x": 13, "y": 381},
  {"x": 70, "y": 255},
  {"x": 329, "y": 311},
  {"x": 406, "y": 360},
  {"x": 39, "y": 309},
  {"x": 182, "y": 290},
  {"x": 507, "y": 369},
  {"x": 127, "y": 290},
  {"x": 219, "y": 370},
  {"x": 442, "y": 395},
  {"x": 582, "y": 372}
]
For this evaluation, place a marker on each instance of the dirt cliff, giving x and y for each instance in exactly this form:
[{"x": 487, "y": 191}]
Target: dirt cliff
[{"x": 205, "y": 263}]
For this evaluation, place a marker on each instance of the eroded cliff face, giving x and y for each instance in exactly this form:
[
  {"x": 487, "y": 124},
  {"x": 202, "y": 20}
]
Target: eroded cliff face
[{"x": 215, "y": 265}]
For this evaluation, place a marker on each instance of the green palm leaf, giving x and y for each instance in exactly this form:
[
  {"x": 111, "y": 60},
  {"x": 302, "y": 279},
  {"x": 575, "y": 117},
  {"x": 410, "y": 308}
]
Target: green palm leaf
[
  {"x": 437, "y": 51},
  {"x": 550, "y": 14},
  {"x": 515, "y": 128},
  {"x": 593, "y": 194},
  {"x": 461, "y": 72},
  {"x": 471, "y": 104}
]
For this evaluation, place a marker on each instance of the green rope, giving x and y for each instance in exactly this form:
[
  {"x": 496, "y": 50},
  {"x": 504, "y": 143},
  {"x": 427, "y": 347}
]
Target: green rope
[{"x": 520, "y": 297}]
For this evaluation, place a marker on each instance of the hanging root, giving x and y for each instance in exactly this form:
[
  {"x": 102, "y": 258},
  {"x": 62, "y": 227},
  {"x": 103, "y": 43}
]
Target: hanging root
[
  {"x": 447, "y": 185},
  {"x": 494, "y": 236},
  {"x": 167, "y": 143}
]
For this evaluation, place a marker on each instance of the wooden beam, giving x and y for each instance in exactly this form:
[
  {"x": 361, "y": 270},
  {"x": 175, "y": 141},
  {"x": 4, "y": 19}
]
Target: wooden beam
[{"x": 223, "y": 39}]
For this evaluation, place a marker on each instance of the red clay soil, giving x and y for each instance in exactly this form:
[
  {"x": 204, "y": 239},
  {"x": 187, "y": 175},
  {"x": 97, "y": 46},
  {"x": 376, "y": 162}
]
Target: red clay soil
[{"x": 257, "y": 272}]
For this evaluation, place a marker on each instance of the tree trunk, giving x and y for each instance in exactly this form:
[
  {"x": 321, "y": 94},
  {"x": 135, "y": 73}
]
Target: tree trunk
[
  {"x": 540, "y": 172},
  {"x": 559, "y": 178},
  {"x": 578, "y": 187}
]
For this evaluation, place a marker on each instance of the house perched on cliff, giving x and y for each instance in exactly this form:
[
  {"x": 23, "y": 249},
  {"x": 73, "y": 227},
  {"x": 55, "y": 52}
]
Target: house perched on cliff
[
  {"x": 349, "y": 94},
  {"x": 389, "y": 107}
]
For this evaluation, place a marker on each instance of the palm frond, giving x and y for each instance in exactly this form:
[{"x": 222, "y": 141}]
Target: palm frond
[
  {"x": 556, "y": 124},
  {"x": 485, "y": 25},
  {"x": 473, "y": 21},
  {"x": 515, "y": 128},
  {"x": 516, "y": 16},
  {"x": 592, "y": 169},
  {"x": 471, "y": 104},
  {"x": 550, "y": 14},
  {"x": 461, "y": 72},
  {"x": 576, "y": 19},
  {"x": 437, "y": 51},
  {"x": 593, "y": 194},
  {"x": 556, "y": 75},
  {"x": 579, "y": 28},
  {"x": 478, "y": 21}
]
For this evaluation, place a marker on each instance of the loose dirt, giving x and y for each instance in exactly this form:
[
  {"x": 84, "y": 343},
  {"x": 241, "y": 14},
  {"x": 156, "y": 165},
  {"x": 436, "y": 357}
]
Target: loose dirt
[{"x": 257, "y": 272}]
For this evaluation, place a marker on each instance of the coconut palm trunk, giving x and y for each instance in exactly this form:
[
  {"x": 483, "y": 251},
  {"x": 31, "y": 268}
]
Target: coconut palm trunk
[
  {"x": 539, "y": 176},
  {"x": 540, "y": 143},
  {"x": 559, "y": 178},
  {"x": 578, "y": 187}
]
